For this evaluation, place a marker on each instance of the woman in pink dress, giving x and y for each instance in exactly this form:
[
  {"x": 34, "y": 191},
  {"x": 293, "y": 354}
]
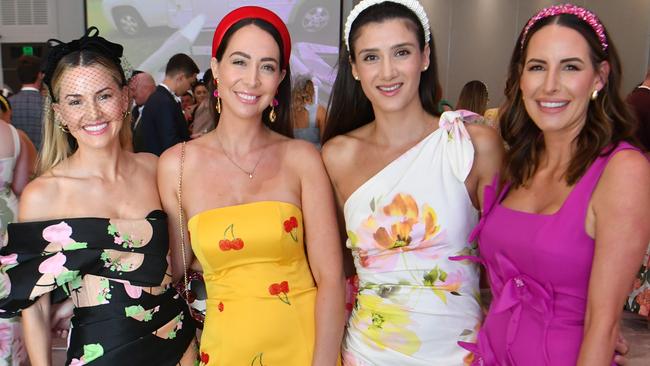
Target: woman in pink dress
[{"x": 564, "y": 229}]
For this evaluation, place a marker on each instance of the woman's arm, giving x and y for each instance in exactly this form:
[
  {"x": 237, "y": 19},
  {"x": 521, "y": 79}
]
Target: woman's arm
[
  {"x": 168, "y": 173},
  {"x": 618, "y": 220},
  {"x": 488, "y": 156},
  {"x": 25, "y": 164},
  {"x": 33, "y": 205},
  {"x": 324, "y": 253},
  {"x": 36, "y": 329}
]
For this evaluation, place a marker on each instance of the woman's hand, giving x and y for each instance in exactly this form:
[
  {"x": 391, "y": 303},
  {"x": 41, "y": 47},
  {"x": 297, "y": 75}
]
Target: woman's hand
[{"x": 60, "y": 318}]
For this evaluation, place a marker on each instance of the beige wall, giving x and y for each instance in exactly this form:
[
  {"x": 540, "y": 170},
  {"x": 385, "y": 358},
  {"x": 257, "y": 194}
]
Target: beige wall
[{"x": 474, "y": 38}]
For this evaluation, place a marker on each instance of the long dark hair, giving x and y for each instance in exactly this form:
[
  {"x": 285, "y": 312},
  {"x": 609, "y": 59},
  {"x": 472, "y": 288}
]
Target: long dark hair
[
  {"x": 349, "y": 108},
  {"x": 608, "y": 118},
  {"x": 282, "y": 124}
]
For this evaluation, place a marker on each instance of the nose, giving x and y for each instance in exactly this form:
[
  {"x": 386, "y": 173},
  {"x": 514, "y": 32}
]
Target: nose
[
  {"x": 551, "y": 80},
  {"x": 387, "y": 68},
  {"x": 94, "y": 111},
  {"x": 252, "y": 76}
]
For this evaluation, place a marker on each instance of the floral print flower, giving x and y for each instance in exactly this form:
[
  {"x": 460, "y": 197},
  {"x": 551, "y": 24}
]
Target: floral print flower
[
  {"x": 234, "y": 243},
  {"x": 123, "y": 240},
  {"x": 220, "y": 306},
  {"x": 91, "y": 353},
  {"x": 280, "y": 290},
  {"x": 291, "y": 227},
  {"x": 59, "y": 233},
  {"x": 139, "y": 313},
  {"x": 6, "y": 338},
  {"x": 442, "y": 283},
  {"x": 53, "y": 265},
  {"x": 385, "y": 324},
  {"x": 401, "y": 226},
  {"x": 10, "y": 259}
]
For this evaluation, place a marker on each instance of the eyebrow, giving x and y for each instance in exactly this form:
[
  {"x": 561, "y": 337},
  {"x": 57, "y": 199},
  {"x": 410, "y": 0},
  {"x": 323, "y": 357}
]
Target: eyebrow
[
  {"x": 564, "y": 60},
  {"x": 247, "y": 56},
  {"x": 400, "y": 45},
  {"x": 79, "y": 95}
]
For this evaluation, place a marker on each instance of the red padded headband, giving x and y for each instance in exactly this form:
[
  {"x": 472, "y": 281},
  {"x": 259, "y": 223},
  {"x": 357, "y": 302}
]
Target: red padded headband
[{"x": 253, "y": 12}]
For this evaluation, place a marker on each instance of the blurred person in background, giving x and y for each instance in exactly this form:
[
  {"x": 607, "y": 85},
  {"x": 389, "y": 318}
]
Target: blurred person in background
[{"x": 28, "y": 102}]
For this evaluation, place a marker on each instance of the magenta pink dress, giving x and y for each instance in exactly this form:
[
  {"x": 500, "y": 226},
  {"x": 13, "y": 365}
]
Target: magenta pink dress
[{"x": 538, "y": 267}]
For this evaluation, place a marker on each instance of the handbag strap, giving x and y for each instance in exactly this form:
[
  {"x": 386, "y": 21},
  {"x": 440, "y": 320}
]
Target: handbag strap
[{"x": 181, "y": 219}]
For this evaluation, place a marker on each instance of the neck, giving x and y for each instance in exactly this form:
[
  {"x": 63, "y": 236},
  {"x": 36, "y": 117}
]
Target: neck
[
  {"x": 169, "y": 82},
  {"x": 403, "y": 126},
  {"x": 105, "y": 163},
  {"x": 559, "y": 148},
  {"x": 239, "y": 136},
  {"x": 33, "y": 85}
]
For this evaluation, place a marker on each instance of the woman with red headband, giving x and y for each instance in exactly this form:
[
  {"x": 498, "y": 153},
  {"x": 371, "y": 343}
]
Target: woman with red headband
[
  {"x": 259, "y": 203},
  {"x": 564, "y": 229}
]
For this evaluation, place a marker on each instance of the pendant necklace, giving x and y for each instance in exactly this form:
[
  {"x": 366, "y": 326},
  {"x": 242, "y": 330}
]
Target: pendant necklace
[{"x": 249, "y": 173}]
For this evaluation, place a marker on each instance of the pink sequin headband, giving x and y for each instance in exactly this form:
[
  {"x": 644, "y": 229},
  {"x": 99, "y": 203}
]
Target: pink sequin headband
[{"x": 580, "y": 12}]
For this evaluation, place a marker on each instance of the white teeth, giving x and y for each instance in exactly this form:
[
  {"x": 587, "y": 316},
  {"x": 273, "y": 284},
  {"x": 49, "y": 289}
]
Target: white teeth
[
  {"x": 553, "y": 104},
  {"x": 247, "y": 96},
  {"x": 390, "y": 88},
  {"x": 95, "y": 128}
]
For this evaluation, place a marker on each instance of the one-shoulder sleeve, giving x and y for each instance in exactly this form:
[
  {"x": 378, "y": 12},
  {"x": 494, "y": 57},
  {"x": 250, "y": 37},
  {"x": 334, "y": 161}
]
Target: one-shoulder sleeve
[{"x": 457, "y": 142}]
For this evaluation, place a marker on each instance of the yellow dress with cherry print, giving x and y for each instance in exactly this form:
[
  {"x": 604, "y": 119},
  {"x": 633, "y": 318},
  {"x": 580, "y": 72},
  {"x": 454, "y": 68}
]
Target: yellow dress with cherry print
[{"x": 261, "y": 294}]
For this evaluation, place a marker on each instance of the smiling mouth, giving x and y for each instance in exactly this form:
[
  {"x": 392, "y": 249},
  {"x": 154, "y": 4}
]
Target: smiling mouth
[
  {"x": 553, "y": 104},
  {"x": 96, "y": 127},
  {"x": 390, "y": 88},
  {"x": 247, "y": 97}
]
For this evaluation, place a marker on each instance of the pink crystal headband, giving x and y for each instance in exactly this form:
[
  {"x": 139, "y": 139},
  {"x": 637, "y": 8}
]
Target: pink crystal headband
[{"x": 580, "y": 12}]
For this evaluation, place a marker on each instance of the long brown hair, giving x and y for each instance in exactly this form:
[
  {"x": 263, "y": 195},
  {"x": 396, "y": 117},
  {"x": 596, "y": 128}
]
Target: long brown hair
[
  {"x": 473, "y": 97},
  {"x": 349, "y": 108},
  {"x": 608, "y": 119}
]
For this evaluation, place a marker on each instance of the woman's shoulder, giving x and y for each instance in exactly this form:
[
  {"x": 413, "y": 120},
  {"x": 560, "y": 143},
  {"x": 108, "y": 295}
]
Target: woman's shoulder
[
  {"x": 37, "y": 198},
  {"x": 484, "y": 138},
  {"x": 346, "y": 144}
]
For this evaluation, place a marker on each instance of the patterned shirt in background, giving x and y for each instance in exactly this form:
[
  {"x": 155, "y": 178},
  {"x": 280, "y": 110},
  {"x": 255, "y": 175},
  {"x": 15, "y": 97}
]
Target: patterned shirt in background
[{"x": 27, "y": 113}]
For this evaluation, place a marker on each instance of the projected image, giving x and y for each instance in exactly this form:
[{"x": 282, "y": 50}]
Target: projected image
[{"x": 151, "y": 31}]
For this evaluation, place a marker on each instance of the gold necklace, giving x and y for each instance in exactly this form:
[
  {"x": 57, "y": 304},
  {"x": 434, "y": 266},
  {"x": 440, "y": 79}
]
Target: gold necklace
[{"x": 249, "y": 173}]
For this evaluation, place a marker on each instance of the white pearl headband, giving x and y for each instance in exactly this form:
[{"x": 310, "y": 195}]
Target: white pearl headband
[{"x": 412, "y": 5}]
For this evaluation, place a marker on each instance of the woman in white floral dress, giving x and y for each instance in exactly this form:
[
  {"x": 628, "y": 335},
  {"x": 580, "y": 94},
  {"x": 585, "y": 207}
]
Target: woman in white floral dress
[{"x": 407, "y": 182}]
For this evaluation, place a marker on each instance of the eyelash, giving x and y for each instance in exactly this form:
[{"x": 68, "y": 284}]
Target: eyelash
[
  {"x": 569, "y": 67},
  {"x": 402, "y": 53},
  {"x": 270, "y": 68}
]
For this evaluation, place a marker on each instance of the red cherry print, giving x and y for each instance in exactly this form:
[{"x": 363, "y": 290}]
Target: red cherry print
[
  {"x": 294, "y": 222},
  {"x": 284, "y": 287},
  {"x": 205, "y": 357},
  {"x": 237, "y": 244},
  {"x": 275, "y": 289},
  {"x": 224, "y": 244},
  {"x": 220, "y": 306},
  {"x": 287, "y": 226}
]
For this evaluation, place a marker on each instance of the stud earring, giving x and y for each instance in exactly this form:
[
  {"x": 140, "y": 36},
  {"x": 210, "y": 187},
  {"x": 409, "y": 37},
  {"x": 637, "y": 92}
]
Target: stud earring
[
  {"x": 356, "y": 77},
  {"x": 594, "y": 95}
]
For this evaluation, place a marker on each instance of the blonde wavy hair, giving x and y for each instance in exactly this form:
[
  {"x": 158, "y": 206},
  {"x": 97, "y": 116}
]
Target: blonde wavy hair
[{"x": 57, "y": 144}]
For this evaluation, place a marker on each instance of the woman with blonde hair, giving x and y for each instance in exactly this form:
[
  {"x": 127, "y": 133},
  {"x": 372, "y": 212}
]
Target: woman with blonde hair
[
  {"x": 308, "y": 118},
  {"x": 91, "y": 228}
]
